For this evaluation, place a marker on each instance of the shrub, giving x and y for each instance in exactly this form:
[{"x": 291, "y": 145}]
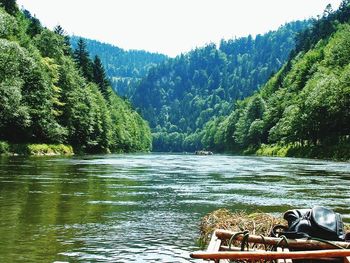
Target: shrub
[{"x": 4, "y": 147}]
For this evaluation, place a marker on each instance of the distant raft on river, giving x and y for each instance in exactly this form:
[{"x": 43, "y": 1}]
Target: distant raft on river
[{"x": 202, "y": 152}]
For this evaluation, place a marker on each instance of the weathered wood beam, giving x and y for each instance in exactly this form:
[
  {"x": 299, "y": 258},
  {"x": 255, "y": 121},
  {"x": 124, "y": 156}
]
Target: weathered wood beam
[
  {"x": 292, "y": 243},
  {"x": 272, "y": 255}
]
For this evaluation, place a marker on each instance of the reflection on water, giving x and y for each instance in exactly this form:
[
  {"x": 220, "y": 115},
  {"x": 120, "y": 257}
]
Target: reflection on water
[{"x": 146, "y": 208}]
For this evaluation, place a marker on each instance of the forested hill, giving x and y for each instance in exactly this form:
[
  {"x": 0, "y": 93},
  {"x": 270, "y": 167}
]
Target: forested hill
[
  {"x": 181, "y": 95},
  {"x": 52, "y": 94},
  {"x": 304, "y": 109},
  {"x": 124, "y": 68}
]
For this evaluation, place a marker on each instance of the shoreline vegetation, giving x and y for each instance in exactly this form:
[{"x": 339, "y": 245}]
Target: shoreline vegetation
[
  {"x": 41, "y": 149},
  {"x": 334, "y": 153},
  {"x": 51, "y": 93},
  {"x": 330, "y": 152},
  {"x": 218, "y": 99},
  {"x": 337, "y": 152}
]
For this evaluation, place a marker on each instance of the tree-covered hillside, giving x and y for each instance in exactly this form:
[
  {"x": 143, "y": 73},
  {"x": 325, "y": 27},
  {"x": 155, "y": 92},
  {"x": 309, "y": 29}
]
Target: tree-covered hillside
[
  {"x": 181, "y": 95},
  {"x": 123, "y": 68},
  {"x": 305, "y": 105},
  {"x": 50, "y": 94}
]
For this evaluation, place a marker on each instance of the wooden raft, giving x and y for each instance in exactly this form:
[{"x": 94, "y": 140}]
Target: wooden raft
[{"x": 311, "y": 249}]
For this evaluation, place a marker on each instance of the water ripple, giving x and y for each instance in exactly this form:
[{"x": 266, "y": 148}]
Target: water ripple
[{"x": 147, "y": 208}]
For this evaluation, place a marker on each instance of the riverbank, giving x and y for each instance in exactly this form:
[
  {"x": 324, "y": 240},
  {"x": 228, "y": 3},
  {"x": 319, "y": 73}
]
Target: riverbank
[
  {"x": 35, "y": 149},
  {"x": 339, "y": 152}
]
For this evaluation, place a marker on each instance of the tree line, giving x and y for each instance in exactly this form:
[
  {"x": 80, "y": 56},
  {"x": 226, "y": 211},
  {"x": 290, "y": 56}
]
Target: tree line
[
  {"x": 306, "y": 103},
  {"x": 123, "y": 68},
  {"x": 181, "y": 95},
  {"x": 50, "y": 93}
]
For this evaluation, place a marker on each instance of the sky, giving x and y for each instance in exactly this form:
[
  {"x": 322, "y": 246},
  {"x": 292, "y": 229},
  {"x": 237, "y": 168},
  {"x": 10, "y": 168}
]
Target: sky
[{"x": 170, "y": 27}]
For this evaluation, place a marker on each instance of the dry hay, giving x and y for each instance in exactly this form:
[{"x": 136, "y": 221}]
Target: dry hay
[{"x": 255, "y": 223}]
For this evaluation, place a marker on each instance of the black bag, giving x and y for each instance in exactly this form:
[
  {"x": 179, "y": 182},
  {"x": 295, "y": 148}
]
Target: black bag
[{"x": 318, "y": 222}]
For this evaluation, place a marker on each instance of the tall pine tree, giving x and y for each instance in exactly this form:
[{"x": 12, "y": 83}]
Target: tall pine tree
[
  {"x": 99, "y": 77},
  {"x": 9, "y": 6},
  {"x": 60, "y": 31},
  {"x": 81, "y": 57}
]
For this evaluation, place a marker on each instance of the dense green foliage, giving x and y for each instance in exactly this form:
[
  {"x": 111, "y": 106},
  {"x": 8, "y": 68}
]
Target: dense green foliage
[
  {"x": 46, "y": 96},
  {"x": 181, "y": 95},
  {"x": 329, "y": 151},
  {"x": 305, "y": 105},
  {"x": 35, "y": 149},
  {"x": 123, "y": 68},
  {"x": 4, "y": 148}
]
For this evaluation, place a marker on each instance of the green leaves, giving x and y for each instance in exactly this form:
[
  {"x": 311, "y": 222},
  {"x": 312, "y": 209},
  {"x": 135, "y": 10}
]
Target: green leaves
[
  {"x": 12, "y": 112},
  {"x": 50, "y": 44},
  {"x": 45, "y": 99},
  {"x": 306, "y": 103},
  {"x": 10, "y": 6},
  {"x": 338, "y": 51},
  {"x": 8, "y": 25},
  {"x": 81, "y": 57},
  {"x": 26, "y": 94},
  {"x": 185, "y": 94}
]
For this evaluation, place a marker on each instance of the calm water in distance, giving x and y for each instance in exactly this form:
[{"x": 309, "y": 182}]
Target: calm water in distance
[{"x": 146, "y": 208}]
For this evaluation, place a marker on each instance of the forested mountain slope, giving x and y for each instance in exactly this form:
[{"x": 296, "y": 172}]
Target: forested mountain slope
[
  {"x": 123, "y": 68},
  {"x": 181, "y": 95},
  {"x": 303, "y": 107},
  {"x": 50, "y": 94}
]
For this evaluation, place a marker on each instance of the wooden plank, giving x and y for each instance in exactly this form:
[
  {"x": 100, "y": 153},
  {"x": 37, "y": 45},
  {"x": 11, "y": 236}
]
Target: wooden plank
[
  {"x": 280, "y": 260},
  {"x": 226, "y": 248},
  {"x": 288, "y": 260},
  {"x": 272, "y": 255},
  {"x": 233, "y": 248},
  {"x": 214, "y": 246},
  {"x": 292, "y": 243}
]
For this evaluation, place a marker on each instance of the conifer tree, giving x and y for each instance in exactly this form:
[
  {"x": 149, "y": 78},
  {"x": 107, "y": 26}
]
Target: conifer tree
[
  {"x": 34, "y": 27},
  {"x": 60, "y": 31},
  {"x": 81, "y": 57},
  {"x": 99, "y": 77},
  {"x": 9, "y": 6}
]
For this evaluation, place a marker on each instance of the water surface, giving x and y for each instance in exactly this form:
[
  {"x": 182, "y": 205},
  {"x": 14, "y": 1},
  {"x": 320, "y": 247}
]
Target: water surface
[{"x": 146, "y": 208}]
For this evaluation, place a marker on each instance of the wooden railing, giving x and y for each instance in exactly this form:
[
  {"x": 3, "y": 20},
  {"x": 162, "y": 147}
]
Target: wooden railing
[{"x": 310, "y": 249}]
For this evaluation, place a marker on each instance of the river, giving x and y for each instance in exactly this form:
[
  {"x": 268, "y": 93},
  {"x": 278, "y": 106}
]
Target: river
[{"x": 146, "y": 208}]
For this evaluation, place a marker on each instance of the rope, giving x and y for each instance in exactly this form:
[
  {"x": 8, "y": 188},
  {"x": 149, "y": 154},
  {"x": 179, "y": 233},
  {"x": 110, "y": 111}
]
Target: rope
[
  {"x": 283, "y": 238},
  {"x": 264, "y": 242},
  {"x": 245, "y": 242},
  {"x": 235, "y": 236}
]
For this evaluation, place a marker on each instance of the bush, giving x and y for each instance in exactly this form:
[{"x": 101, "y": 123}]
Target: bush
[
  {"x": 49, "y": 149},
  {"x": 339, "y": 152},
  {"x": 41, "y": 149},
  {"x": 4, "y": 147}
]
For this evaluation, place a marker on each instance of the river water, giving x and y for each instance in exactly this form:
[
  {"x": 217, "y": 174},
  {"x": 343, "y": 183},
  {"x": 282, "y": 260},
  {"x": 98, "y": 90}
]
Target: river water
[{"x": 146, "y": 208}]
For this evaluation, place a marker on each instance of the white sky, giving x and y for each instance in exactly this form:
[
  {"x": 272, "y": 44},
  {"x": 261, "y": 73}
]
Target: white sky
[{"x": 170, "y": 26}]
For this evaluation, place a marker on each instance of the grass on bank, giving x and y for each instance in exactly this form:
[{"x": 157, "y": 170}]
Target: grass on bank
[
  {"x": 4, "y": 148},
  {"x": 35, "y": 149},
  {"x": 339, "y": 152}
]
